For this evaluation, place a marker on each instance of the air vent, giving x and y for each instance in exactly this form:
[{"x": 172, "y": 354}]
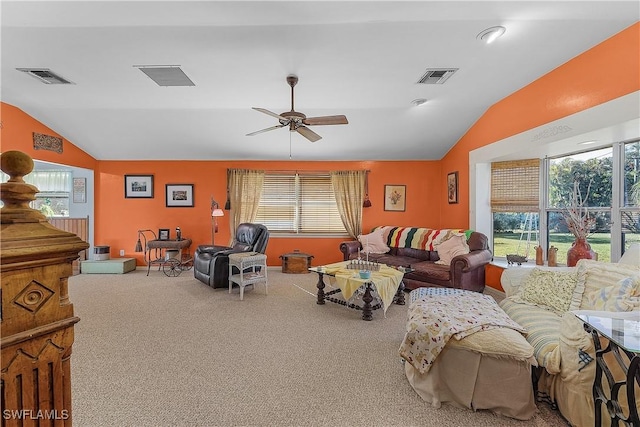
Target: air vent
[
  {"x": 436, "y": 76},
  {"x": 166, "y": 75},
  {"x": 46, "y": 76}
]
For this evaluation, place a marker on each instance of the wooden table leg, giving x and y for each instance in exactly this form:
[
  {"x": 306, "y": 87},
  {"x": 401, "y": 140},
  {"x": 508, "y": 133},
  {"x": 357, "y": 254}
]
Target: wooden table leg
[
  {"x": 399, "y": 297},
  {"x": 367, "y": 298},
  {"x": 320, "y": 287}
]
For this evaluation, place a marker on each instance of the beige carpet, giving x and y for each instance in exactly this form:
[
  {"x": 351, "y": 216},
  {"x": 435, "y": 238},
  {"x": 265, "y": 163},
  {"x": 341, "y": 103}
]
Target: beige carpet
[{"x": 171, "y": 351}]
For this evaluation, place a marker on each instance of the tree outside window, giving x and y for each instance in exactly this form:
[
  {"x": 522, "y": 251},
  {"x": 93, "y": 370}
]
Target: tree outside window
[{"x": 593, "y": 171}]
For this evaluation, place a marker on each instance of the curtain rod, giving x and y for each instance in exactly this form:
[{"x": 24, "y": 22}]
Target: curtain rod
[{"x": 299, "y": 171}]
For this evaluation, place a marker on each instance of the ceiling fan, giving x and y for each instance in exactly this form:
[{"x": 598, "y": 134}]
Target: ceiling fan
[{"x": 297, "y": 121}]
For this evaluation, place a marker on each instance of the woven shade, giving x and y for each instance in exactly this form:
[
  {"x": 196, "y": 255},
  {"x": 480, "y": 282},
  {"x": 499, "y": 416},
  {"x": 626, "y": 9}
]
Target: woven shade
[{"x": 515, "y": 186}]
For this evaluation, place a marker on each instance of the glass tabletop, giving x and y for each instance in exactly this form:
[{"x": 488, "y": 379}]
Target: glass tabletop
[{"x": 623, "y": 328}]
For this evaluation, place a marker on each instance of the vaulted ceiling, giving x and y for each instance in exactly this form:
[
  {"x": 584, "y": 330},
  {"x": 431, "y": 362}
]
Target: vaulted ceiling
[{"x": 358, "y": 58}]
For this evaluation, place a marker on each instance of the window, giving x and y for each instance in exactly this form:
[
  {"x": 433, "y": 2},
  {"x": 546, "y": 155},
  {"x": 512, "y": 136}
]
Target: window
[
  {"x": 515, "y": 193},
  {"x": 593, "y": 170},
  {"x": 630, "y": 211},
  {"x": 54, "y": 187},
  {"x": 299, "y": 203}
]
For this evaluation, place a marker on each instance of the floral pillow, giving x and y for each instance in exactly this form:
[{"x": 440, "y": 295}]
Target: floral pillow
[
  {"x": 451, "y": 248},
  {"x": 373, "y": 243},
  {"x": 623, "y": 296},
  {"x": 551, "y": 290}
]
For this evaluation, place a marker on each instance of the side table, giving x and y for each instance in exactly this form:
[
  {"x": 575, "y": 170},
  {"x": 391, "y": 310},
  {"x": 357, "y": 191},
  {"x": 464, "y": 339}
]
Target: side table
[
  {"x": 251, "y": 267},
  {"x": 622, "y": 331},
  {"x": 158, "y": 252}
]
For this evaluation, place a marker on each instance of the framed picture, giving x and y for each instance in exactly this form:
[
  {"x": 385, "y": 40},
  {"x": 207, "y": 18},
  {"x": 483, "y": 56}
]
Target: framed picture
[
  {"x": 164, "y": 234},
  {"x": 395, "y": 197},
  {"x": 179, "y": 195},
  {"x": 138, "y": 186},
  {"x": 79, "y": 190},
  {"x": 452, "y": 187}
]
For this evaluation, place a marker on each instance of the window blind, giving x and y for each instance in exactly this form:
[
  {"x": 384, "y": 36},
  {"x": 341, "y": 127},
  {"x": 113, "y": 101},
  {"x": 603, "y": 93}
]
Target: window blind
[
  {"x": 299, "y": 203},
  {"x": 515, "y": 186}
]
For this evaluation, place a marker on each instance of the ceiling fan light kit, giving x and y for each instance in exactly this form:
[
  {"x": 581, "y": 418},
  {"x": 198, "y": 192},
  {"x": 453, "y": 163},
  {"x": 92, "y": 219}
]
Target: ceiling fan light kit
[{"x": 297, "y": 121}]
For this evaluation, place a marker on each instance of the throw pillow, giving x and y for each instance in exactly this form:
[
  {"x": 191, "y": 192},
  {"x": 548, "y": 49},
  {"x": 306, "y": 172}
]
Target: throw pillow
[
  {"x": 595, "y": 275},
  {"x": 551, "y": 290},
  {"x": 373, "y": 243},
  {"x": 618, "y": 297},
  {"x": 631, "y": 256},
  {"x": 452, "y": 247}
]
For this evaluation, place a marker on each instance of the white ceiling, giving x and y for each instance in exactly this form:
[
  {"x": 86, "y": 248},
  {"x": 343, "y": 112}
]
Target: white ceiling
[{"x": 357, "y": 58}]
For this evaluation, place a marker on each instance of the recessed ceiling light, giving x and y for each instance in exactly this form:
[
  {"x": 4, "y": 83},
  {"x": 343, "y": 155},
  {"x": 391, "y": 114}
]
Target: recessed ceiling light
[
  {"x": 490, "y": 34},
  {"x": 587, "y": 142},
  {"x": 418, "y": 102}
]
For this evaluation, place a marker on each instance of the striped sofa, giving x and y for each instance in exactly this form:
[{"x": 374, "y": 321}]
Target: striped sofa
[
  {"x": 415, "y": 247},
  {"x": 564, "y": 352}
]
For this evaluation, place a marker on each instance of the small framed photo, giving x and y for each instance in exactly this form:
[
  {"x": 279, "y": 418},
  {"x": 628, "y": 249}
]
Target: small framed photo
[
  {"x": 452, "y": 187},
  {"x": 395, "y": 198},
  {"x": 164, "y": 234},
  {"x": 179, "y": 195},
  {"x": 138, "y": 186}
]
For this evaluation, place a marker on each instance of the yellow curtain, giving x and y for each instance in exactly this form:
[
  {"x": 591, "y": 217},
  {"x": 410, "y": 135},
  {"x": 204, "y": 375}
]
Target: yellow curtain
[
  {"x": 245, "y": 190},
  {"x": 348, "y": 188}
]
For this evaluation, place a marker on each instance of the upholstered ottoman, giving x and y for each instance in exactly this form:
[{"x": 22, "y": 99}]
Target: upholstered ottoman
[
  {"x": 110, "y": 266},
  {"x": 489, "y": 369}
]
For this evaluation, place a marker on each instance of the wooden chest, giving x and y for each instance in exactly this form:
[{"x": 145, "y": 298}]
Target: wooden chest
[{"x": 296, "y": 262}]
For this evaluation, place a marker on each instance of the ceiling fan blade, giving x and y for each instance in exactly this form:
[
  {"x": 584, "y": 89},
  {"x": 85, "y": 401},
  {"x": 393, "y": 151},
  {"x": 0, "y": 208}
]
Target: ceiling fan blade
[
  {"x": 271, "y": 113},
  {"x": 308, "y": 133},
  {"x": 264, "y": 130},
  {"x": 326, "y": 120}
]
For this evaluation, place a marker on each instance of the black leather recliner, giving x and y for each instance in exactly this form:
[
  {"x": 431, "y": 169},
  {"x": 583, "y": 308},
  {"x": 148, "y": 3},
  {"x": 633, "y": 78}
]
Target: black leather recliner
[{"x": 211, "y": 263}]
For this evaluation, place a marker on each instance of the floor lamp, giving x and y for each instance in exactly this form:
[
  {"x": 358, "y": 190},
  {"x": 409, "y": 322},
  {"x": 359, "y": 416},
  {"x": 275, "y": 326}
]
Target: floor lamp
[{"x": 215, "y": 213}]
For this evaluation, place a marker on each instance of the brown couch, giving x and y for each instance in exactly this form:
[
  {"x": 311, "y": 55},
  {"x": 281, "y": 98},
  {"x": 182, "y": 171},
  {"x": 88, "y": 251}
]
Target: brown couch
[{"x": 465, "y": 272}]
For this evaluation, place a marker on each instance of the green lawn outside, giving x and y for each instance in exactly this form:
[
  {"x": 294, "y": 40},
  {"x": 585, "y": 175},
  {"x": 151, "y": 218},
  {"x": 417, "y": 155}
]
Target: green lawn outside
[{"x": 510, "y": 243}]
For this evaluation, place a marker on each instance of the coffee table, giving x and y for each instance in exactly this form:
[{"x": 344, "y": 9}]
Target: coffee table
[{"x": 387, "y": 282}]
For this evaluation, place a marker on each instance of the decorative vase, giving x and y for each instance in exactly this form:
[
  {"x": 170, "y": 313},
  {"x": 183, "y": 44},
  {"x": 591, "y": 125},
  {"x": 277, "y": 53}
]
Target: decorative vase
[
  {"x": 552, "y": 257},
  {"x": 539, "y": 255},
  {"x": 579, "y": 250}
]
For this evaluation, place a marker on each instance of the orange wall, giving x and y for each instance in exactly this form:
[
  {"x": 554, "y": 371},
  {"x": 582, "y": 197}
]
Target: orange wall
[
  {"x": 577, "y": 85},
  {"x": 570, "y": 88},
  {"x": 16, "y": 133},
  {"x": 118, "y": 219}
]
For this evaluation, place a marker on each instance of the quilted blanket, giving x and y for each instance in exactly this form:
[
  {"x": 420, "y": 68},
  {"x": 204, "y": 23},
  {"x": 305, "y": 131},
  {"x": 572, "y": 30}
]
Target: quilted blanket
[
  {"x": 425, "y": 239},
  {"x": 434, "y": 319}
]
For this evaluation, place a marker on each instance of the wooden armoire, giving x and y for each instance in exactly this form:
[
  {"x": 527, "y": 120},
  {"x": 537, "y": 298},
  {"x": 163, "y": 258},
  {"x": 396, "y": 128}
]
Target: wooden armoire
[{"x": 37, "y": 320}]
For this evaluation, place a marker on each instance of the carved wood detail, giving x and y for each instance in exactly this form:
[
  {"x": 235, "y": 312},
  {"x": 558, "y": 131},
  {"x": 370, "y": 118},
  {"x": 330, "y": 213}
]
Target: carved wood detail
[{"x": 37, "y": 319}]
